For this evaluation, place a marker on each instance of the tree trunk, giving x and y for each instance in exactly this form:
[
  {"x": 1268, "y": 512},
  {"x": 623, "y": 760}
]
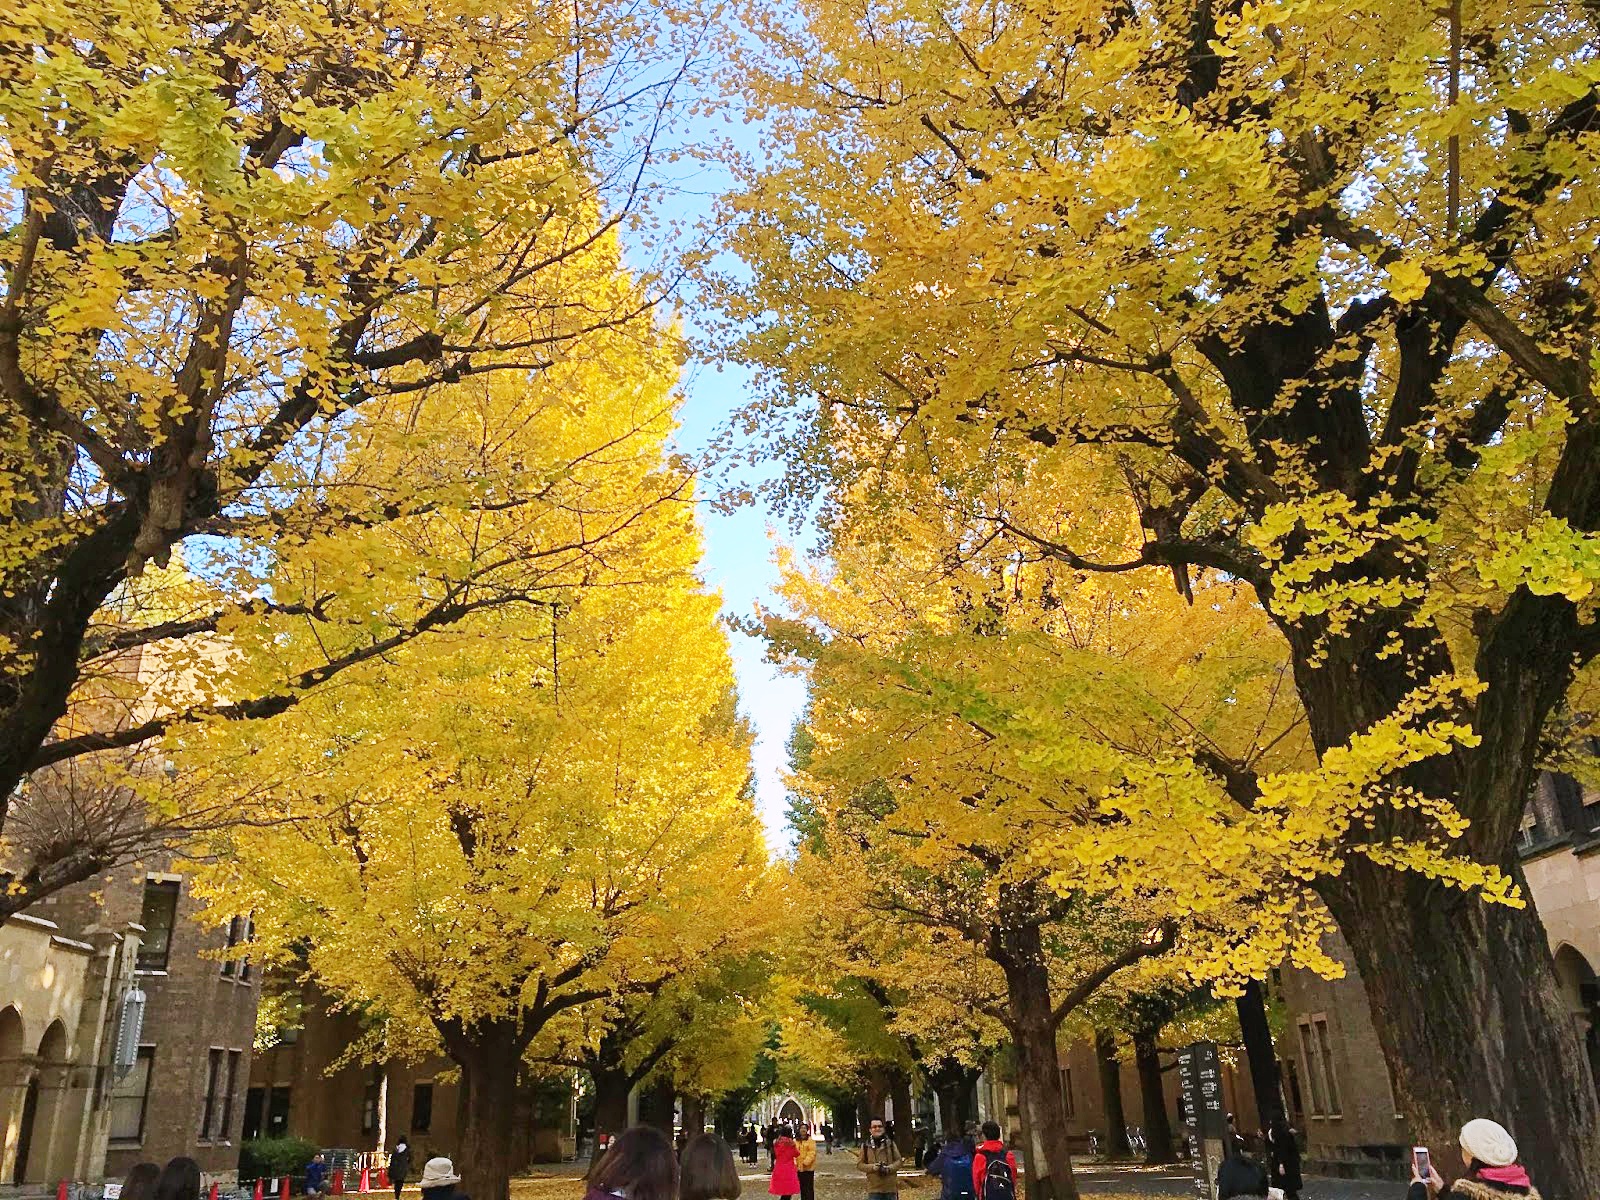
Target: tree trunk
[
  {"x": 1105, "y": 1059},
  {"x": 489, "y": 1054},
  {"x": 1464, "y": 1000},
  {"x": 877, "y": 1091},
  {"x": 1158, "y": 1147},
  {"x": 1033, "y": 1029},
  {"x": 694, "y": 1115},
  {"x": 1263, "y": 1058},
  {"x": 658, "y": 1106},
  {"x": 900, "y": 1092},
  {"x": 611, "y": 1088},
  {"x": 949, "y": 1108}
]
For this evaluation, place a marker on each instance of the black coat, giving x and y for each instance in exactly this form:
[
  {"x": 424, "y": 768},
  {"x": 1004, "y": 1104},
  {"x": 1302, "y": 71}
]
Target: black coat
[
  {"x": 1285, "y": 1159},
  {"x": 400, "y": 1164}
]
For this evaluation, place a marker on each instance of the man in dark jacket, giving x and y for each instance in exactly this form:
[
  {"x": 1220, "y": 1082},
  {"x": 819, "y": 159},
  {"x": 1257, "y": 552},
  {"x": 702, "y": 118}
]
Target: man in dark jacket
[{"x": 400, "y": 1166}]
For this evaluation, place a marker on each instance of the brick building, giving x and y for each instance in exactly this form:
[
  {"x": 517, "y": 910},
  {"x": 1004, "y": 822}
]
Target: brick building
[
  {"x": 301, "y": 1087},
  {"x": 1337, "y": 1084},
  {"x": 185, "y": 1091}
]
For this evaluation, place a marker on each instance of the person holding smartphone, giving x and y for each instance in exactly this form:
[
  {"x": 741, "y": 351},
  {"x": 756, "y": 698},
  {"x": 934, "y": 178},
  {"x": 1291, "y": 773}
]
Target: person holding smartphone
[{"x": 1492, "y": 1170}]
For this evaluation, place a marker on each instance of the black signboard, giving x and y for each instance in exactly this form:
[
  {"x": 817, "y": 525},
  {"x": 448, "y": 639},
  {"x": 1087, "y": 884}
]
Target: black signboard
[{"x": 1204, "y": 1118}]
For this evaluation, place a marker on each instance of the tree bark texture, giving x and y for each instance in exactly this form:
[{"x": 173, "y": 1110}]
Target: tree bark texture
[
  {"x": 1110, "y": 1070},
  {"x": 1158, "y": 1147},
  {"x": 611, "y": 1090},
  {"x": 1033, "y": 1030},
  {"x": 1464, "y": 1001},
  {"x": 489, "y": 1055},
  {"x": 900, "y": 1092}
]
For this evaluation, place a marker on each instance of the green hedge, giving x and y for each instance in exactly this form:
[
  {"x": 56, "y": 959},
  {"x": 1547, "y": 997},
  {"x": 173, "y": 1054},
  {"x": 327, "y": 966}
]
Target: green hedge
[{"x": 264, "y": 1157}]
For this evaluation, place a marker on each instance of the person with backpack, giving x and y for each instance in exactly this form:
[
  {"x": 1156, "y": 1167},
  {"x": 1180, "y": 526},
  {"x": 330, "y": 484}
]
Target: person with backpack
[
  {"x": 994, "y": 1168},
  {"x": 952, "y": 1166},
  {"x": 880, "y": 1163}
]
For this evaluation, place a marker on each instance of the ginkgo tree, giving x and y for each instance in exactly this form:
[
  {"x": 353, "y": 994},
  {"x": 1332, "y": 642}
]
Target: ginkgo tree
[
  {"x": 1003, "y": 751},
  {"x": 529, "y": 812},
  {"x": 1317, "y": 283},
  {"x": 233, "y": 231}
]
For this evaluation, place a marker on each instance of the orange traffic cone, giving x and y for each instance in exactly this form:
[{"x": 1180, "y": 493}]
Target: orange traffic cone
[
  {"x": 284, "y": 1194},
  {"x": 213, "y": 1192},
  {"x": 61, "y": 1190},
  {"x": 336, "y": 1186},
  {"x": 383, "y": 1179},
  {"x": 366, "y": 1179},
  {"x": 259, "y": 1190}
]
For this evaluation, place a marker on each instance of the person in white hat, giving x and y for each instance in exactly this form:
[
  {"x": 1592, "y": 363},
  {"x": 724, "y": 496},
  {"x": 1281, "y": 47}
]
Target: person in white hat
[
  {"x": 439, "y": 1180},
  {"x": 1493, "y": 1173}
]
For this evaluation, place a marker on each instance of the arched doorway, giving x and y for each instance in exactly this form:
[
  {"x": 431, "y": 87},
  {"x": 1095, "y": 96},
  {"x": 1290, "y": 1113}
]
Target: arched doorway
[
  {"x": 41, "y": 1108},
  {"x": 14, "y": 1074},
  {"x": 790, "y": 1113},
  {"x": 1575, "y": 979}
]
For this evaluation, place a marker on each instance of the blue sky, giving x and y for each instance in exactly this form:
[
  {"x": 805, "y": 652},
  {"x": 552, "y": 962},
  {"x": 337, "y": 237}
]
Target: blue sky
[{"x": 739, "y": 545}]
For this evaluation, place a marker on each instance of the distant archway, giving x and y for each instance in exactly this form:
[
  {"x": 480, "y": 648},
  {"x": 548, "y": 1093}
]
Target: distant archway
[
  {"x": 791, "y": 1113},
  {"x": 42, "y": 1105}
]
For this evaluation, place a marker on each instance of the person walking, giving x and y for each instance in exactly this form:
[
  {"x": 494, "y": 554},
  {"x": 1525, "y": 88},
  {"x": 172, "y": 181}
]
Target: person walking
[
  {"x": 994, "y": 1168},
  {"x": 805, "y": 1163},
  {"x": 952, "y": 1167},
  {"x": 880, "y": 1162},
  {"x": 639, "y": 1165},
  {"x": 440, "y": 1181},
  {"x": 827, "y": 1135},
  {"x": 706, "y": 1170},
  {"x": 785, "y": 1180},
  {"x": 1283, "y": 1159},
  {"x": 1493, "y": 1172},
  {"x": 400, "y": 1166}
]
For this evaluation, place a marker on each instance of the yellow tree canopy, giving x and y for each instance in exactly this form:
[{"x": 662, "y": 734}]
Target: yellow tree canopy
[{"x": 234, "y": 230}]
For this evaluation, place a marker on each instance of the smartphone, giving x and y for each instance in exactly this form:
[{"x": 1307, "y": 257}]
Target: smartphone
[{"x": 1419, "y": 1156}]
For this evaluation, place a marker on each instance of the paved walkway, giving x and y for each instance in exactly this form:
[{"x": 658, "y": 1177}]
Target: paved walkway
[{"x": 837, "y": 1179}]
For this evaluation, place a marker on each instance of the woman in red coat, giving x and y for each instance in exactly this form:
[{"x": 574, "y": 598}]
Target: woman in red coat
[{"x": 785, "y": 1178}]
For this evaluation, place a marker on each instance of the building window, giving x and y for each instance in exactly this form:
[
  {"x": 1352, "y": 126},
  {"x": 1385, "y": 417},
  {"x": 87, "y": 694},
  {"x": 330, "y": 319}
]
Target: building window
[
  {"x": 160, "y": 910},
  {"x": 255, "y": 1107},
  {"x": 1331, "y": 1077},
  {"x": 369, "y": 1104},
  {"x": 422, "y": 1108},
  {"x": 249, "y": 936},
  {"x": 1310, "y": 1055},
  {"x": 225, "y": 1128},
  {"x": 208, "y": 1110},
  {"x": 1316, "y": 1049},
  {"x": 1528, "y": 833},
  {"x": 130, "y": 1098},
  {"x": 1297, "y": 1104},
  {"x": 230, "y": 965},
  {"x": 278, "y": 1112}
]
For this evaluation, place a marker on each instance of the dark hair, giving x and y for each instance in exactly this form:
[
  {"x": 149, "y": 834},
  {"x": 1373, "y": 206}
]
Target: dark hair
[
  {"x": 640, "y": 1165},
  {"x": 785, "y": 1131},
  {"x": 952, "y": 1135},
  {"x": 991, "y": 1130},
  {"x": 180, "y": 1180},
  {"x": 706, "y": 1170},
  {"x": 140, "y": 1182}
]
